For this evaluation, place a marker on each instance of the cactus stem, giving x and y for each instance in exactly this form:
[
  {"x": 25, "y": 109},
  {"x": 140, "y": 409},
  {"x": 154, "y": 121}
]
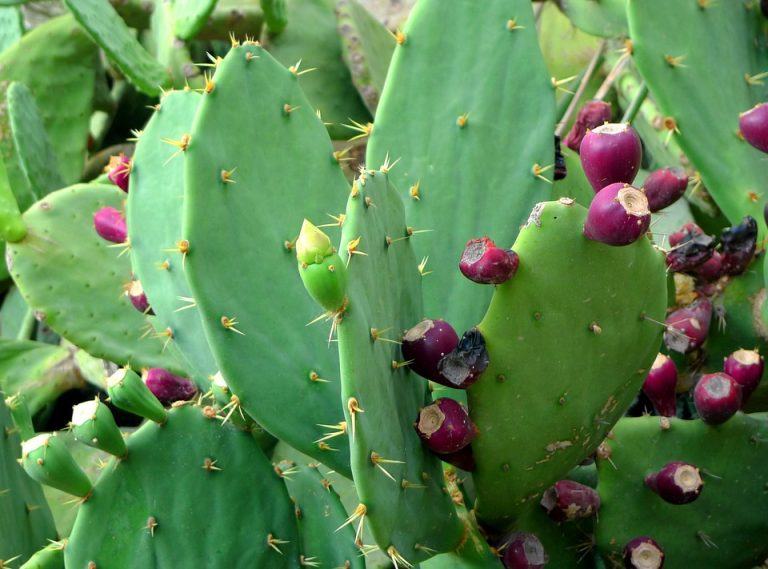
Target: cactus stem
[
  {"x": 274, "y": 542},
  {"x": 354, "y": 408},
  {"x": 512, "y": 25},
  {"x": 226, "y": 176},
  {"x": 413, "y": 191},
  {"x": 230, "y": 323},
  {"x": 675, "y": 60},
  {"x": 377, "y": 461},
  {"x": 295, "y": 69},
  {"x": 209, "y": 465},
  {"x": 151, "y": 525},
  {"x": 397, "y": 560}
]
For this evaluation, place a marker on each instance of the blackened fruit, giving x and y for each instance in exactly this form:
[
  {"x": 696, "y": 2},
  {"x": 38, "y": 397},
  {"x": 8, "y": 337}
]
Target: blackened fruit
[
  {"x": 690, "y": 249},
  {"x": 753, "y": 125},
  {"x": 687, "y": 328},
  {"x": 482, "y": 262},
  {"x": 660, "y": 386},
  {"x": 462, "y": 366},
  {"x": 119, "y": 171},
  {"x": 523, "y": 550},
  {"x": 445, "y": 426},
  {"x": 717, "y": 397},
  {"x": 618, "y": 215},
  {"x": 664, "y": 187},
  {"x": 611, "y": 153},
  {"x": 686, "y": 232},
  {"x": 643, "y": 553},
  {"x": 110, "y": 225},
  {"x": 676, "y": 482},
  {"x": 561, "y": 171},
  {"x": 737, "y": 245},
  {"x": 167, "y": 387},
  {"x": 426, "y": 344},
  {"x": 135, "y": 293},
  {"x": 591, "y": 115},
  {"x": 567, "y": 500},
  {"x": 746, "y": 369}
]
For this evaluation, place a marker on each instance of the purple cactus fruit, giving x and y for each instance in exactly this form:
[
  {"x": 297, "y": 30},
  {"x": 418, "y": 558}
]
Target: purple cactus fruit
[
  {"x": 484, "y": 263},
  {"x": 746, "y": 369},
  {"x": 717, "y": 397},
  {"x": 168, "y": 387},
  {"x": 687, "y": 328},
  {"x": 643, "y": 553},
  {"x": 664, "y": 187},
  {"x": 567, "y": 500},
  {"x": 737, "y": 245},
  {"x": 660, "y": 386},
  {"x": 591, "y": 115},
  {"x": 110, "y": 225},
  {"x": 685, "y": 233},
  {"x": 691, "y": 249},
  {"x": 753, "y": 125},
  {"x": 618, "y": 215},
  {"x": 445, "y": 426},
  {"x": 119, "y": 171},
  {"x": 463, "y": 458},
  {"x": 561, "y": 170},
  {"x": 523, "y": 550},
  {"x": 711, "y": 269},
  {"x": 426, "y": 344},
  {"x": 611, "y": 153},
  {"x": 676, "y": 482},
  {"x": 135, "y": 293},
  {"x": 463, "y": 365}
]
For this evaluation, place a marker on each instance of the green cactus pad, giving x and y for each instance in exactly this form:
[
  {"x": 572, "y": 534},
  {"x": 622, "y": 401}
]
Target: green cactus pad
[
  {"x": 605, "y": 18},
  {"x": 312, "y": 38},
  {"x": 463, "y": 182},
  {"x": 74, "y": 279},
  {"x": 326, "y": 539},
  {"x": 109, "y": 31},
  {"x": 275, "y": 15},
  {"x": 12, "y": 227},
  {"x": 569, "y": 350},
  {"x": 25, "y": 520},
  {"x": 93, "y": 425},
  {"x": 724, "y": 527},
  {"x": 171, "y": 53},
  {"x": 46, "y": 459},
  {"x": 36, "y": 156},
  {"x": 257, "y": 126},
  {"x": 128, "y": 392},
  {"x": 191, "y": 493},
  {"x": 190, "y": 16},
  {"x": 154, "y": 217},
  {"x": 63, "y": 98},
  {"x": 11, "y": 26},
  {"x": 367, "y": 47},
  {"x": 400, "y": 484},
  {"x": 674, "y": 46}
]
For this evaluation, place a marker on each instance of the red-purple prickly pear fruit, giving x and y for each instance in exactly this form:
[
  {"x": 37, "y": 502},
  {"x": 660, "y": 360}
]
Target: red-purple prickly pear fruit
[
  {"x": 463, "y": 365},
  {"x": 591, "y": 115},
  {"x": 445, "y": 426},
  {"x": 523, "y": 550},
  {"x": 753, "y": 125},
  {"x": 676, "y": 482},
  {"x": 660, "y": 386},
  {"x": 618, "y": 215},
  {"x": 567, "y": 500},
  {"x": 167, "y": 387},
  {"x": 463, "y": 458},
  {"x": 711, "y": 269},
  {"x": 110, "y": 225},
  {"x": 737, "y": 245},
  {"x": 119, "y": 171},
  {"x": 691, "y": 249},
  {"x": 687, "y": 328},
  {"x": 484, "y": 263},
  {"x": 717, "y": 397},
  {"x": 664, "y": 187},
  {"x": 135, "y": 293},
  {"x": 685, "y": 233},
  {"x": 643, "y": 553},
  {"x": 746, "y": 369},
  {"x": 426, "y": 344},
  {"x": 561, "y": 170},
  {"x": 611, "y": 153}
]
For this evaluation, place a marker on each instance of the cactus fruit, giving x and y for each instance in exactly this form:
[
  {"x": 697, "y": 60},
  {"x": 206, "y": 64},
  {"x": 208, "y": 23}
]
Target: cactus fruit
[
  {"x": 119, "y": 171},
  {"x": 322, "y": 271},
  {"x": 445, "y": 426},
  {"x": 46, "y": 459},
  {"x": 643, "y": 553},
  {"x": 745, "y": 367},
  {"x": 753, "y": 125},
  {"x": 610, "y": 154},
  {"x": 738, "y": 246},
  {"x": 135, "y": 293},
  {"x": 664, "y": 186},
  {"x": 484, "y": 263},
  {"x": 462, "y": 366},
  {"x": 687, "y": 328},
  {"x": 425, "y": 344},
  {"x": 618, "y": 215},
  {"x": 592, "y": 115},
  {"x": 110, "y": 225},
  {"x": 660, "y": 385},
  {"x": 567, "y": 500},
  {"x": 167, "y": 387},
  {"x": 676, "y": 482},
  {"x": 717, "y": 397},
  {"x": 523, "y": 550},
  {"x": 93, "y": 425},
  {"x": 128, "y": 392}
]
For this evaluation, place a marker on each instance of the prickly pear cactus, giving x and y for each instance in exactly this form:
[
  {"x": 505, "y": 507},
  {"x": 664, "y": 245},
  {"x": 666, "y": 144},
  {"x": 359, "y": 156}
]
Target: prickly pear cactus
[
  {"x": 254, "y": 127},
  {"x": 730, "y": 509},
  {"x": 75, "y": 280},
  {"x": 400, "y": 485},
  {"x": 570, "y": 339},
  {"x": 186, "y": 482},
  {"x": 455, "y": 182}
]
